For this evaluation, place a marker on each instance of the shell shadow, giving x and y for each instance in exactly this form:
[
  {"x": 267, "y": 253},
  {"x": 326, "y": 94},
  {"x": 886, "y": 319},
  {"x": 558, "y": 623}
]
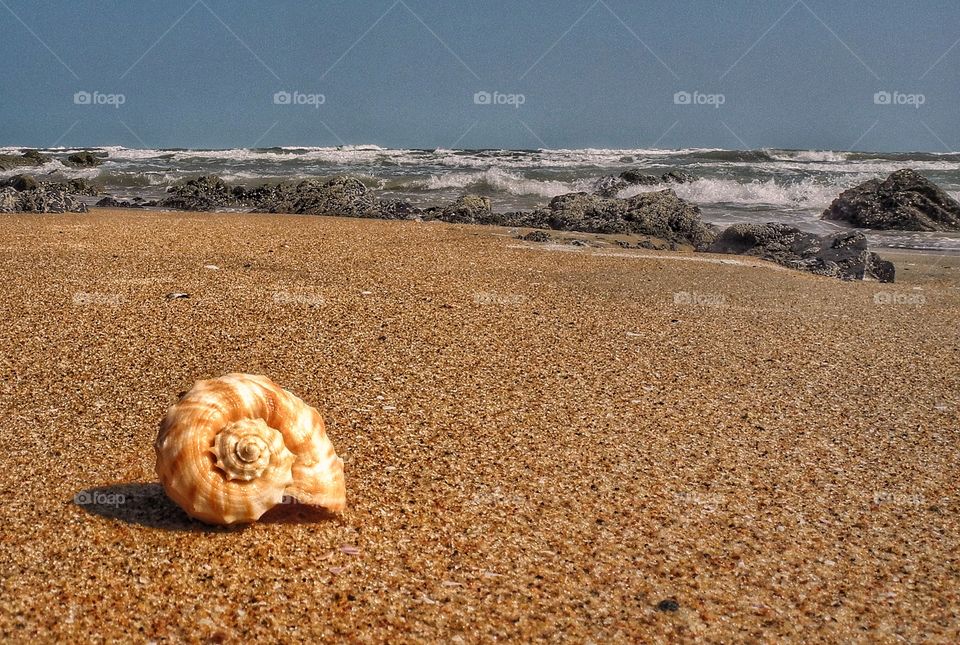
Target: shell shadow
[{"x": 147, "y": 505}]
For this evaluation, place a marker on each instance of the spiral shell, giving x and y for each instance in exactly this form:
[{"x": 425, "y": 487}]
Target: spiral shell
[{"x": 233, "y": 447}]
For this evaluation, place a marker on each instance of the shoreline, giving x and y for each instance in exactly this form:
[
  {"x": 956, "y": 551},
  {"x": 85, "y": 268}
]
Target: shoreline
[{"x": 731, "y": 186}]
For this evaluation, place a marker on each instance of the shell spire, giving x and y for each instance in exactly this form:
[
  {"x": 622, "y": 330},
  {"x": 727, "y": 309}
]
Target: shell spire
[{"x": 233, "y": 447}]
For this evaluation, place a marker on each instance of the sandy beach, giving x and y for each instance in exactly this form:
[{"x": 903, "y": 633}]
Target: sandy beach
[{"x": 540, "y": 441}]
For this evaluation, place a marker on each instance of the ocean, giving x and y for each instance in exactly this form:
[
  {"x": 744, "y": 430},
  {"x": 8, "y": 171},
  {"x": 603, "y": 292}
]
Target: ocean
[{"x": 792, "y": 186}]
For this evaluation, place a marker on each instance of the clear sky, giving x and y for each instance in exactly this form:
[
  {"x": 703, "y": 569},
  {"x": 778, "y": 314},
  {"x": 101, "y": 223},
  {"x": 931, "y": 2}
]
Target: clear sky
[{"x": 556, "y": 73}]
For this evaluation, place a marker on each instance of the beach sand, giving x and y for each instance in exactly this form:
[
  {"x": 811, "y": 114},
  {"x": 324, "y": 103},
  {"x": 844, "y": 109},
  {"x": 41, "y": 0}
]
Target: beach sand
[{"x": 540, "y": 441}]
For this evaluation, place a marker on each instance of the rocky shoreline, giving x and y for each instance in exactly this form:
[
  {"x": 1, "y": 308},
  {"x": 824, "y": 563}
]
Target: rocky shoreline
[{"x": 904, "y": 201}]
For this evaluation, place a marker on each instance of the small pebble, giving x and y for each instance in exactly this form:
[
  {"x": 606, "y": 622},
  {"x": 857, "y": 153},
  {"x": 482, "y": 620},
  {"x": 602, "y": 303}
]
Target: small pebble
[{"x": 668, "y": 605}]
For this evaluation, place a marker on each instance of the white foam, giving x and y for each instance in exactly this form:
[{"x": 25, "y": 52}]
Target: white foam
[
  {"x": 866, "y": 167},
  {"x": 810, "y": 155},
  {"x": 52, "y": 167},
  {"x": 806, "y": 194},
  {"x": 502, "y": 180}
]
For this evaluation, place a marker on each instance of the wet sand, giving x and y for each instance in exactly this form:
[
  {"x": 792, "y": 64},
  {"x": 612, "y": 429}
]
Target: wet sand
[{"x": 587, "y": 444}]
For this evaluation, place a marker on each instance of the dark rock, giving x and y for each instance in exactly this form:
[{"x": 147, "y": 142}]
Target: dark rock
[
  {"x": 110, "y": 202},
  {"x": 677, "y": 177},
  {"x": 44, "y": 198},
  {"x": 659, "y": 214},
  {"x": 846, "y": 256},
  {"x": 9, "y": 199},
  {"x": 904, "y": 201},
  {"x": 637, "y": 176},
  {"x": 398, "y": 209},
  {"x": 535, "y": 236},
  {"x": 36, "y": 157},
  {"x": 345, "y": 196},
  {"x": 654, "y": 244},
  {"x": 515, "y": 219},
  {"x": 774, "y": 241},
  {"x": 205, "y": 193},
  {"x": 468, "y": 209},
  {"x": 81, "y": 186},
  {"x": 609, "y": 186},
  {"x": 668, "y": 604},
  {"x": 22, "y": 183},
  {"x": 28, "y": 158},
  {"x": 84, "y": 159},
  {"x": 843, "y": 256}
]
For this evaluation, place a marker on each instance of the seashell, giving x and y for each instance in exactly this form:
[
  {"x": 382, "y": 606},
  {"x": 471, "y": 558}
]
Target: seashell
[{"x": 233, "y": 447}]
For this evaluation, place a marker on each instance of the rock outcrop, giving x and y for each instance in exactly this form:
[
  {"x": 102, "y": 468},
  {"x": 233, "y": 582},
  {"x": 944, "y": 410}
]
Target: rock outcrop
[
  {"x": 843, "y": 256},
  {"x": 84, "y": 159},
  {"x": 610, "y": 185},
  {"x": 28, "y": 158},
  {"x": 205, "y": 193},
  {"x": 343, "y": 196},
  {"x": 111, "y": 202},
  {"x": 535, "y": 236},
  {"x": 22, "y": 183},
  {"x": 659, "y": 214},
  {"x": 904, "y": 201},
  {"x": 467, "y": 209},
  {"x": 636, "y": 176},
  {"x": 24, "y": 194}
]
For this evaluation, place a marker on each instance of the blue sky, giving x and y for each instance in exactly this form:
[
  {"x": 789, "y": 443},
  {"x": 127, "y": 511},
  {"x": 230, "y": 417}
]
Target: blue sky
[{"x": 407, "y": 73}]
